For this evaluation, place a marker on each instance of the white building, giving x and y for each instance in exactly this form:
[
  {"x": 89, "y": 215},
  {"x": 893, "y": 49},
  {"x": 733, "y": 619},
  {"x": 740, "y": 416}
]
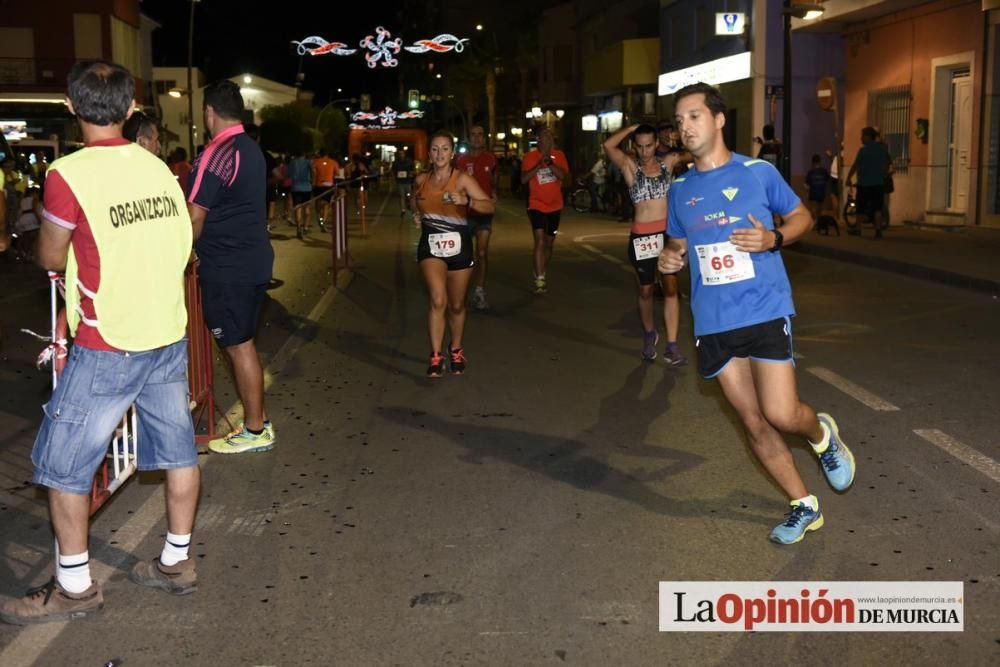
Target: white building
[
  {"x": 259, "y": 92},
  {"x": 170, "y": 84}
]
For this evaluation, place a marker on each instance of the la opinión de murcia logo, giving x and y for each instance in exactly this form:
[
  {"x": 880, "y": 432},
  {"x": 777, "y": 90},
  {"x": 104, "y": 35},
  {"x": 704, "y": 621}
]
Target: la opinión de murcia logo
[{"x": 839, "y": 606}]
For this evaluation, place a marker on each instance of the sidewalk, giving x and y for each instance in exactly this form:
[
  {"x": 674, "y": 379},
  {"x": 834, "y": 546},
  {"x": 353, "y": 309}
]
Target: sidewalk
[{"x": 967, "y": 258}]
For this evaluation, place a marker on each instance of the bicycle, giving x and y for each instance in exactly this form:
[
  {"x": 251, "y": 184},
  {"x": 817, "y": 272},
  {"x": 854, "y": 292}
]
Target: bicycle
[{"x": 855, "y": 219}]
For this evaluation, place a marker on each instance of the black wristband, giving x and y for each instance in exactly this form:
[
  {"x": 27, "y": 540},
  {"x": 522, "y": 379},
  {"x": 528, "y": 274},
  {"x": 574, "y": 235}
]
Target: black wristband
[{"x": 779, "y": 238}]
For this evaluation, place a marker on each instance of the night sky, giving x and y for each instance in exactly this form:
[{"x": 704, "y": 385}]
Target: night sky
[{"x": 234, "y": 37}]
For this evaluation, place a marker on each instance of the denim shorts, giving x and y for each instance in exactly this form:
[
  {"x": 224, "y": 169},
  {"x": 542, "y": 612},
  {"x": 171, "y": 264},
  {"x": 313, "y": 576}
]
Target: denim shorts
[{"x": 94, "y": 392}]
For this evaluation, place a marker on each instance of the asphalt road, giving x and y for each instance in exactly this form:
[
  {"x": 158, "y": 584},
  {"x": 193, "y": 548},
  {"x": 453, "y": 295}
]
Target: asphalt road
[{"x": 523, "y": 514}]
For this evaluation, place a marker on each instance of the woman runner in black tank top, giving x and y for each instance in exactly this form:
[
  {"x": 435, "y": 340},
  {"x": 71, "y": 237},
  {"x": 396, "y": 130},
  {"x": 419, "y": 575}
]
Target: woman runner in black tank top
[{"x": 442, "y": 198}]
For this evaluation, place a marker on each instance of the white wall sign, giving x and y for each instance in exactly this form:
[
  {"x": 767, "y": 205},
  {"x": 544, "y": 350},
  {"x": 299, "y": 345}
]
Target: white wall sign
[
  {"x": 715, "y": 72},
  {"x": 589, "y": 123},
  {"x": 730, "y": 24},
  {"x": 611, "y": 121}
]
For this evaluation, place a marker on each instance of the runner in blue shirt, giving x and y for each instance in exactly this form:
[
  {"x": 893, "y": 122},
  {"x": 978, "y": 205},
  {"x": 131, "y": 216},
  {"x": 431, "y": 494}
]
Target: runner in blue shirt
[{"x": 721, "y": 211}]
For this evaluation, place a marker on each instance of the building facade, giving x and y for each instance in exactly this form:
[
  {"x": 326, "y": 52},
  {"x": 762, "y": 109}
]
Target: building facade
[
  {"x": 920, "y": 72},
  {"x": 40, "y": 41}
]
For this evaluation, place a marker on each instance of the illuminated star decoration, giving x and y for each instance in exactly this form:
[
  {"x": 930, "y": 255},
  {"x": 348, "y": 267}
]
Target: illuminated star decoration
[
  {"x": 441, "y": 44},
  {"x": 317, "y": 46},
  {"x": 386, "y": 118},
  {"x": 381, "y": 48}
]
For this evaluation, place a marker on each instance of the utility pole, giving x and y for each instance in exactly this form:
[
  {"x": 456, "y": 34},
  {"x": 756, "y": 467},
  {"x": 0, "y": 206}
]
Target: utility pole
[
  {"x": 786, "y": 106},
  {"x": 190, "y": 85}
]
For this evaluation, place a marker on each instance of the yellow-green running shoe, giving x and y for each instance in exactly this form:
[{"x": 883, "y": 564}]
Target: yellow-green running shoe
[{"x": 242, "y": 441}]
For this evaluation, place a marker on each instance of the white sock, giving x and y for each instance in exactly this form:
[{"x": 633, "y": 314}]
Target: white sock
[
  {"x": 73, "y": 572},
  {"x": 820, "y": 447},
  {"x": 809, "y": 501},
  {"x": 175, "y": 549}
]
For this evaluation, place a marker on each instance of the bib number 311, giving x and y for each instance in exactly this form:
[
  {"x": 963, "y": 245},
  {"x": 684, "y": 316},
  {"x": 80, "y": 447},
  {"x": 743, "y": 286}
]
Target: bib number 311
[
  {"x": 647, "y": 247},
  {"x": 722, "y": 263},
  {"x": 447, "y": 244}
]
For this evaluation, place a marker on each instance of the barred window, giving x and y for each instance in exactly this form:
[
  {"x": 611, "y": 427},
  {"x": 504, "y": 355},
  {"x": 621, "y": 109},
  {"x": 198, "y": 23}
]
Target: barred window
[{"x": 889, "y": 111}]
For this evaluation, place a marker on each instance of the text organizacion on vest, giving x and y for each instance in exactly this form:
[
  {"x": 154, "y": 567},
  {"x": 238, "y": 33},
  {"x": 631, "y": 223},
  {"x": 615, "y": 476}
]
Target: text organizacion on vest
[{"x": 150, "y": 208}]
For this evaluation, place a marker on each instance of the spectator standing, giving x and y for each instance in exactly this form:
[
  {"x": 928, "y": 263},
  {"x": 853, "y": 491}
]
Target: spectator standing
[
  {"x": 816, "y": 181},
  {"x": 872, "y": 165},
  {"x": 229, "y": 216},
  {"x": 126, "y": 263}
]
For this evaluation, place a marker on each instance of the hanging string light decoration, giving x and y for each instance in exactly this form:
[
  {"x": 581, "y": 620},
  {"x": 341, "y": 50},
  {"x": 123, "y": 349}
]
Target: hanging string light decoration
[
  {"x": 386, "y": 118},
  {"x": 380, "y": 47},
  {"x": 317, "y": 46},
  {"x": 440, "y": 44}
]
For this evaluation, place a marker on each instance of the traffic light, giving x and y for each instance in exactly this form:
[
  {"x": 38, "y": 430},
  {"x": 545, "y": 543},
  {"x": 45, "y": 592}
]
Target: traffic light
[{"x": 413, "y": 99}]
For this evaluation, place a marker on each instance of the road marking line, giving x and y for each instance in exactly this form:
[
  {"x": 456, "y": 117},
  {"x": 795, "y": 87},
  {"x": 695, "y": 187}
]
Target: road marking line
[
  {"x": 587, "y": 237},
  {"x": 33, "y": 640},
  {"x": 962, "y": 452},
  {"x": 856, "y": 392},
  {"x": 610, "y": 258}
]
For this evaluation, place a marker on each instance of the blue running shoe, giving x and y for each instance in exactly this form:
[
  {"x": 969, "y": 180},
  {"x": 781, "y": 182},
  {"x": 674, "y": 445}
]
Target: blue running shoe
[
  {"x": 836, "y": 460},
  {"x": 802, "y": 518},
  {"x": 649, "y": 341}
]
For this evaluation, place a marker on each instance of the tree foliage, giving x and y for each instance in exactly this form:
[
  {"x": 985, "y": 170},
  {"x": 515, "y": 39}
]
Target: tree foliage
[{"x": 299, "y": 127}]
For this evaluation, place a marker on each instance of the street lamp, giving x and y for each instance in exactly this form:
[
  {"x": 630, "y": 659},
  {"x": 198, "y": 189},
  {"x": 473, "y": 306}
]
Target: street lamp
[
  {"x": 560, "y": 113},
  {"x": 190, "y": 86},
  {"x": 807, "y": 12},
  {"x": 536, "y": 111}
]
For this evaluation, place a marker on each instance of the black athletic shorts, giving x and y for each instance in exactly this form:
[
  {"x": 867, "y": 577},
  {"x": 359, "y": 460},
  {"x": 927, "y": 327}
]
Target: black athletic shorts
[
  {"x": 444, "y": 243},
  {"x": 480, "y": 223},
  {"x": 767, "y": 341},
  {"x": 300, "y": 197},
  {"x": 870, "y": 198},
  {"x": 324, "y": 192},
  {"x": 231, "y": 310},
  {"x": 645, "y": 268},
  {"x": 547, "y": 221}
]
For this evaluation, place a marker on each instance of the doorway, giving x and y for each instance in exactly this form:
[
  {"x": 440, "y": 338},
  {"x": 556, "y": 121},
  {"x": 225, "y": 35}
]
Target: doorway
[
  {"x": 959, "y": 140},
  {"x": 950, "y": 136}
]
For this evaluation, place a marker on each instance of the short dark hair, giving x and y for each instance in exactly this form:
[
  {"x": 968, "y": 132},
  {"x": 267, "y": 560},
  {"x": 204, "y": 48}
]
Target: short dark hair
[
  {"x": 224, "y": 97},
  {"x": 664, "y": 125},
  {"x": 181, "y": 153},
  {"x": 816, "y": 159},
  {"x": 101, "y": 91},
  {"x": 713, "y": 98},
  {"x": 769, "y": 132},
  {"x": 138, "y": 125},
  {"x": 869, "y": 132},
  {"x": 644, "y": 128}
]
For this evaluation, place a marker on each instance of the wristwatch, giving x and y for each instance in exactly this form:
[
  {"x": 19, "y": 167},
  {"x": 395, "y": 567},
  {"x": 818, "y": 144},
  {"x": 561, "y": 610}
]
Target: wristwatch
[{"x": 779, "y": 238}]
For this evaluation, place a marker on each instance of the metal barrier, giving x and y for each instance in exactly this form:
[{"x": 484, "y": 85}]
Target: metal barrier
[
  {"x": 201, "y": 372},
  {"x": 339, "y": 245},
  {"x": 338, "y": 203},
  {"x": 120, "y": 462}
]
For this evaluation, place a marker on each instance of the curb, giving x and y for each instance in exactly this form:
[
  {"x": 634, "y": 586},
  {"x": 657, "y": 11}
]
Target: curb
[{"x": 897, "y": 266}]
